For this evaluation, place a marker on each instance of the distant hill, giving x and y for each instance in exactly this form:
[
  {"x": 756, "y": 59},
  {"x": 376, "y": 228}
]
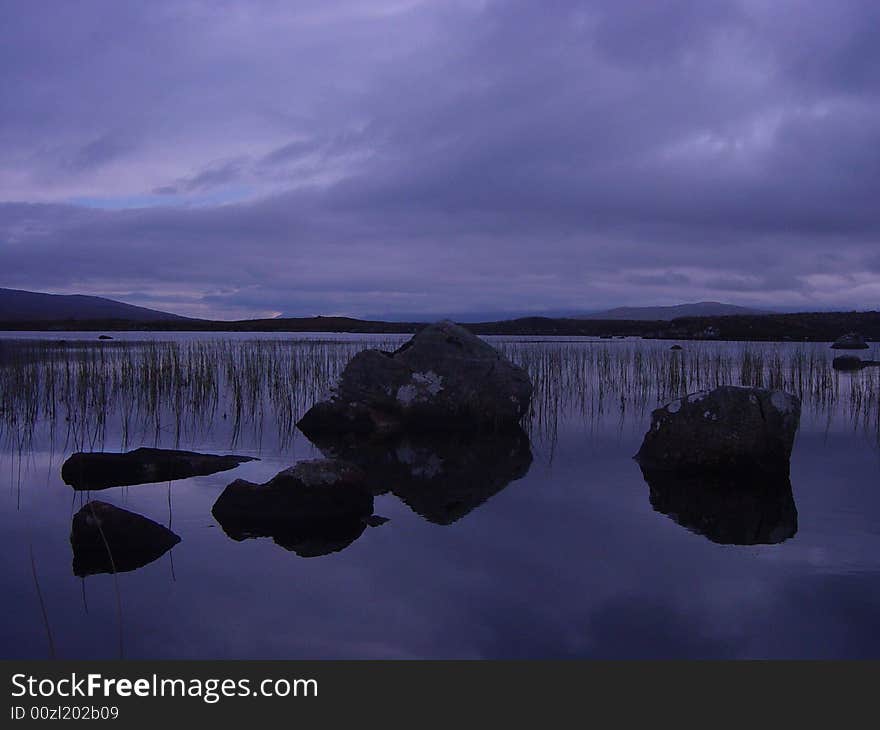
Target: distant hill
[
  {"x": 667, "y": 314},
  {"x": 26, "y": 306}
]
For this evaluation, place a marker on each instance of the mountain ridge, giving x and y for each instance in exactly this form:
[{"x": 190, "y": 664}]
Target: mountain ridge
[
  {"x": 674, "y": 311},
  {"x": 19, "y": 305}
]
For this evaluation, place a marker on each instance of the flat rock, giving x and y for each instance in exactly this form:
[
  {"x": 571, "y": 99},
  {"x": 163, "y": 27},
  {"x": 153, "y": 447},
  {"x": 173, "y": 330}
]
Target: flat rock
[
  {"x": 109, "y": 539},
  {"x": 729, "y": 428},
  {"x": 100, "y": 470},
  {"x": 445, "y": 378}
]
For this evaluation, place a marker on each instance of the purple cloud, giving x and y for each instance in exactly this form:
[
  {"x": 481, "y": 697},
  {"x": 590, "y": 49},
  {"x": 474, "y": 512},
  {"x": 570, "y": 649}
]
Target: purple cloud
[{"x": 243, "y": 160}]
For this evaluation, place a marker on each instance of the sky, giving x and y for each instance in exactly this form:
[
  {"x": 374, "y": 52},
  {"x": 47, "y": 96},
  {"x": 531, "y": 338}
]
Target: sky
[{"x": 244, "y": 159}]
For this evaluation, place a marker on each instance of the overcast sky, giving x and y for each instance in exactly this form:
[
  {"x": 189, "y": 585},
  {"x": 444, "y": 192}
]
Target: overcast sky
[{"x": 237, "y": 159}]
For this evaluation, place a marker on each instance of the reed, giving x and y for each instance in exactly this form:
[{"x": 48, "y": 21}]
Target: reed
[{"x": 178, "y": 392}]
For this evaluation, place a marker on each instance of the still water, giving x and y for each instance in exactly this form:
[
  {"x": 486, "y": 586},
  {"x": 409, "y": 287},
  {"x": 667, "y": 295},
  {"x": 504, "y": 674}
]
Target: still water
[{"x": 554, "y": 547}]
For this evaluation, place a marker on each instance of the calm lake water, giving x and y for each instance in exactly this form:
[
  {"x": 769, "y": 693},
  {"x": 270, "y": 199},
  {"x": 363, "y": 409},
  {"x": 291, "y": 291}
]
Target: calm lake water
[{"x": 563, "y": 552}]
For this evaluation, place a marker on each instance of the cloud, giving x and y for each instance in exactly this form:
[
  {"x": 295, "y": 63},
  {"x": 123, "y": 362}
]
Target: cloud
[{"x": 442, "y": 157}]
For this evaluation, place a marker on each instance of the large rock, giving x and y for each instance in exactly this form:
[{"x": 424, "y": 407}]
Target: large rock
[
  {"x": 314, "y": 508},
  {"x": 729, "y": 428},
  {"x": 850, "y": 341},
  {"x": 440, "y": 477},
  {"x": 108, "y": 539},
  {"x": 99, "y": 470},
  {"x": 727, "y": 508},
  {"x": 444, "y": 378}
]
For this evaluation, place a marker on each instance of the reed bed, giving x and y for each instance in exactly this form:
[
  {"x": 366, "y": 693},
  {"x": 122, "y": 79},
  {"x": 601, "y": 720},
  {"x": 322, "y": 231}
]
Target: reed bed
[{"x": 178, "y": 392}]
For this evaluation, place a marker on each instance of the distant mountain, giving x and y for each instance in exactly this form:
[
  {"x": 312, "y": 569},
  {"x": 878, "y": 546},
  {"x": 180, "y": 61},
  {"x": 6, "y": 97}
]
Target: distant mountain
[
  {"x": 26, "y": 306},
  {"x": 697, "y": 309}
]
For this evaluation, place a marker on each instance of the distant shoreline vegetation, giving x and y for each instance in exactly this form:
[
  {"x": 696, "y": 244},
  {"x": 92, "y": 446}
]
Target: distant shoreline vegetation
[{"x": 802, "y": 327}]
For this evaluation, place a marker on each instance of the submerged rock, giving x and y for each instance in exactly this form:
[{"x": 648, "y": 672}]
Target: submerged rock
[
  {"x": 101, "y": 470},
  {"x": 313, "y": 508},
  {"x": 441, "y": 478},
  {"x": 108, "y": 539},
  {"x": 729, "y": 428},
  {"x": 445, "y": 378},
  {"x": 730, "y": 509},
  {"x": 850, "y": 341}
]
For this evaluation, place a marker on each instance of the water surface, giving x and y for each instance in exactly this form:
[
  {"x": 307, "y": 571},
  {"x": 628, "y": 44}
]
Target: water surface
[{"x": 564, "y": 554}]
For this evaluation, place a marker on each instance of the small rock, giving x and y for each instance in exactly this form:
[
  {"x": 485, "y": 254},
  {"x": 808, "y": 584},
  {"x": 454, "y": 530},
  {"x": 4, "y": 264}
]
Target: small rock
[
  {"x": 847, "y": 363},
  {"x": 676, "y": 347},
  {"x": 313, "y": 508},
  {"x": 104, "y": 337},
  {"x": 107, "y": 539}
]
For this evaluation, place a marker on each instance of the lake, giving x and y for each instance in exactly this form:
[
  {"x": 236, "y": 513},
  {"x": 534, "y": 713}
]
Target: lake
[{"x": 552, "y": 545}]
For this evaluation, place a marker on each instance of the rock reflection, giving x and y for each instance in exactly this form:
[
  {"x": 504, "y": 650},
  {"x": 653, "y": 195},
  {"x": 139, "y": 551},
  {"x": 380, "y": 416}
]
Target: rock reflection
[
  {"x": 441, "y": 478},
  {"x": 729, "y": 509},
  {"x": 108, "y": 539}
]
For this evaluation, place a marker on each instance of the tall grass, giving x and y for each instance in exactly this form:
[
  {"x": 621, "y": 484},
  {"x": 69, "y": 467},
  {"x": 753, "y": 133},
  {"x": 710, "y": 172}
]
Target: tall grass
[{"x": 176, "y": 392}]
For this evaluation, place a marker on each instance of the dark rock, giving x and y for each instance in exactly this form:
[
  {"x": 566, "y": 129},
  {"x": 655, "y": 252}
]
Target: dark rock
[
  {"x": 100, "y": 470},
  {"x": 730, "y": 509},
  {"x": 851, "y": 341},
  {"x": 441, "y": 478},
  {"x": 445, "y": 378},
  {"x": 847, "y": 363},
  {"x": 729, "y": 428},
  {"x": 313, "y": 508},
  {"x": 107, "y": 539},
  {"x": 104, "y": 337},
  {"x": 676, "y": 347}
]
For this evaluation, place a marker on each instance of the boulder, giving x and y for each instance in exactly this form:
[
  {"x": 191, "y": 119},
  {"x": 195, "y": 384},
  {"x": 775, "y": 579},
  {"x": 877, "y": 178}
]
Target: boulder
[
  {"x": 104, "y": 337},
  {"x": 729, "y": 509},
  {"x": 108, "y": 539},
  {"x": 445, "y": 378},
  {"x": 440, "y": 477},
  {"x": 676, "y": 347},
  {"x": 729, "y": 428},
  {"x": 100, "y": 470},
  {"x": 314, "y": 508},
  {"x": 850, "y": 341}
]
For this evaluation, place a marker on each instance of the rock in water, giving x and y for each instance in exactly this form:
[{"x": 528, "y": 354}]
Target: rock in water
[
  {"x": 850, "y": 341},
  {"x": 445, "y": 378},
  {"x": 107, "y": 539},
  {"x": 103, "y": 470},
  {"x": 313, "y": 508},
  {"x": 729, "y": 428},
  {"x": 729, "y": 509}
]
